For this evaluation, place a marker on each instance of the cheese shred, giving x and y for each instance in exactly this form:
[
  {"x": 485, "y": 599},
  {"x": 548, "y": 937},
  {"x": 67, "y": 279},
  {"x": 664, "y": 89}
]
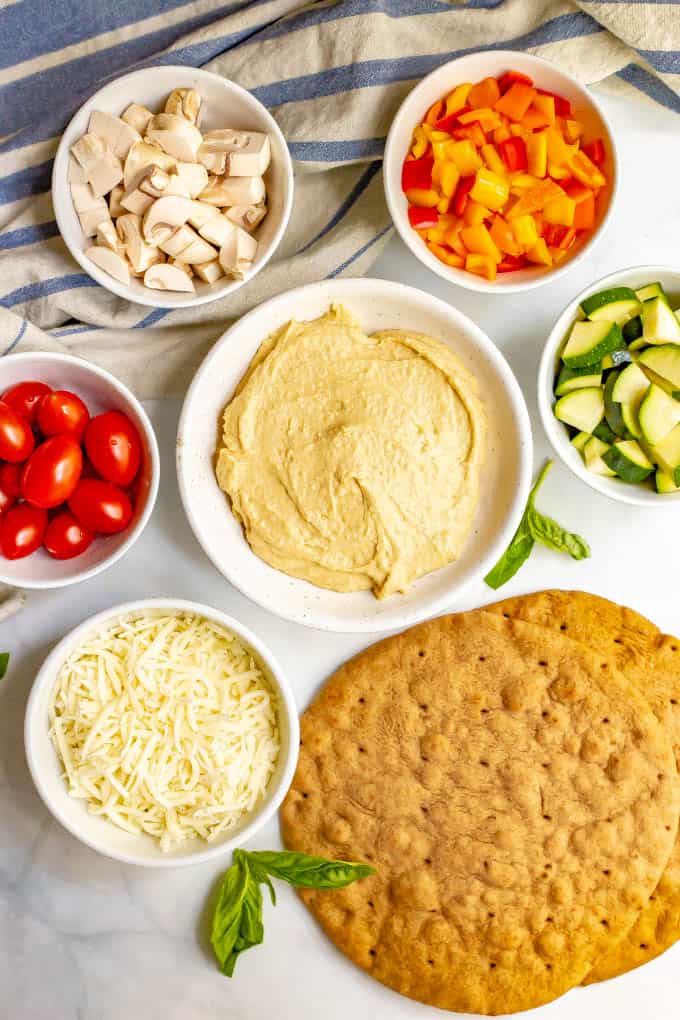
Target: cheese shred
[{"x": 166, "y": 724}]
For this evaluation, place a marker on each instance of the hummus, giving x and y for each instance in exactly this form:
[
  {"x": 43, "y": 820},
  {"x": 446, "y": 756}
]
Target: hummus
[{"x": 353, "y": 461}]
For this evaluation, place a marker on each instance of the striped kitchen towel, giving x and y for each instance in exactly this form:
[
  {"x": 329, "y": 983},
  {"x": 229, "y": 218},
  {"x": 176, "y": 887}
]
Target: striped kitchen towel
[{"x": 332, "y": 72}]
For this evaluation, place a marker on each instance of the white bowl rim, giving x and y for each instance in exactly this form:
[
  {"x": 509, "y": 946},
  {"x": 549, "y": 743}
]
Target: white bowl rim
[
  {"x": 618, "y": 491},
  {"x": 155, "y": 297},
  {"x": 47, "y": 675},
  {"x": 469, "y": 280},
  {"x": 154, "y": 457},
  {"x": 321, "y": 620}
]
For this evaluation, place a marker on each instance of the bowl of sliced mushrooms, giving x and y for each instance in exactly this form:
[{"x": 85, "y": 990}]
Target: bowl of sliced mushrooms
[{"x": 172, "y": 186}]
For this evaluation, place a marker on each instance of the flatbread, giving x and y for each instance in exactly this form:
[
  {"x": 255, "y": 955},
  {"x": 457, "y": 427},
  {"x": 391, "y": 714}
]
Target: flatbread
[
  {"x": 517, "y": 797},
  {"x": 651, "y": 660}
]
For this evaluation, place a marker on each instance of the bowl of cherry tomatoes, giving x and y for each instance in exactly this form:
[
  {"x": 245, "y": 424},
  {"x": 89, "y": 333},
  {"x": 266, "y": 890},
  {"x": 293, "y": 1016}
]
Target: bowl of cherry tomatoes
[{"x": 79, "y": 470}]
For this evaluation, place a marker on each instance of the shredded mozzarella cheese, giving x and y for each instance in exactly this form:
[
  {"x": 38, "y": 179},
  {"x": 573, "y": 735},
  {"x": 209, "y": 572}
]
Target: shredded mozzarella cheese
[{"x": 166, "y": 724}]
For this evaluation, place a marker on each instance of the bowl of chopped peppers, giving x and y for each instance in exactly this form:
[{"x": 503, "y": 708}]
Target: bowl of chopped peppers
[{"x": 500, "y": 171}]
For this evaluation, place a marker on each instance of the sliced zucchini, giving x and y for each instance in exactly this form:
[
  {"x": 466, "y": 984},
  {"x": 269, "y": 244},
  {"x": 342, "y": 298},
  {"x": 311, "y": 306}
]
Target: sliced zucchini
[
  {"x": 612, "y": 408},
  {"x": 582, "y": 409},
  {"x": 667, "y": 454},
  {"x": 580, "y": 440},
  {"x": 658, "y": 415},
  {"x": 651, "y": 290},
  {"x": 589, "y": 342},
  {"x": 592, "y": 455},
  {"x": 665, "y": 483},
  {"x": 604, "y": 433},
  {"x": 615, "y": 359},
  {"x": 664, "y": 361},
  {"x": 618, "y": 304},
  {"x": 627, "y": 460},
  {"x": 659, "y": 325},
  {"x": 632, "y": 330},
  {"x": 628, "y": 390},
  {"x": 576, "y": 379}
]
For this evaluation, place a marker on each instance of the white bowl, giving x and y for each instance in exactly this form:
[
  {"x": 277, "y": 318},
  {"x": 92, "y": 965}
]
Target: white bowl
[
  {"x": 624, "y": 492},
  {"x": 226, "y": 105},
  {"x": 474, "y": 67},
  {"x": 378, "y": 304},
  {"x": 101, "y": 391},
  {"x": 101, "y": 834}
]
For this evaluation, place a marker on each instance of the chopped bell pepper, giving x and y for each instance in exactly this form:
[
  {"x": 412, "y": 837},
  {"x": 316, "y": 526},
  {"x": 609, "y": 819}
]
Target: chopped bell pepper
[
  {"x": 535, "y": 198},
  {"x": 562, "y": 105},
  {"x": 490, "y": 189},
  {"x": 546, "y": 105},
  {"x": 503, "y": 237},
  {"x": 460, "y": 198},
  {"x": 524, "y": 229},
  {"x": 558, "y": 150},
  {"x": 584, "y": 213},
  {"x": 446, "y": 255},
  {"x": 540, "y": 254},
  {"x": 484, "y": 93},
  {"x": 487, "y": 118},
  {"x": 585, "y": 171},
  {"x": 471, "y": 131},
  {"x": 554, "y": 234},
  {"x": 568, "y": 239},
  {"x": 521, "y": 182},
  {"x": 464, "y": 155},
  {"x": 560, "y": 211},
  {"x": 511, "y": 264},
  {"x": 481, "y": 265},
  {"x": 516, "y": 101},
  {"x": 443, "y": 204},
  {"x": 537, "y": 154},
  {"x": 435, "y": 112},
  {"x": 501, "y": 133},
  {"x": 475, "y": 213},
  {"x": 423, "y": 196},
  {"x": 445, "y": 176},
  {"x": 595, "y": 151},
  {"x": 514, "y": 153},
  {"x": 447, "y": 123},
  {"x": 534, "y": 120},
  {"x": 558, "y": 173},
  {"x": 420, "y": 142},
  {"x": 417, "y": 173},
  {"x": 452, "y": 238},
  {"x": 492, "y": 158},
  {"x": 511, "y": 77},
  {"x": 421, "y": 217},
  {"x": 478, "y": 240},
  {"x": 573, "y": 129},
  {"x": 456, "y": 100}
]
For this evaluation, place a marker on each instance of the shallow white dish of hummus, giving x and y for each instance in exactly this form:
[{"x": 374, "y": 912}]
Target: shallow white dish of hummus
[{"x": 492, "y": 424}]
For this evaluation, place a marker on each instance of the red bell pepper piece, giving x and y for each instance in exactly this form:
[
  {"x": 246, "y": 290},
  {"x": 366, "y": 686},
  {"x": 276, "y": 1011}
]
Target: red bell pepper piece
[
  {"x": 417, "y": 173},
  {"x": 511, "y": 263},
  {"x": 459, "y": 201},
  {"x": 511, "y": 77},
  {"x": 514, "y": 153},
  {"x": 562, "y": 105},
  {"x": 595, "y": 151},
  {"x": 421, "y": 217},
  {"x": 554, "y": 234},
  {"x": 446, "y": 123}
]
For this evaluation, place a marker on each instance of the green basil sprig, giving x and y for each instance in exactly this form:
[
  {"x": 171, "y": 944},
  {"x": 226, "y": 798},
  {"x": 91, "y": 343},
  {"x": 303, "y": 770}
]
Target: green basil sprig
[
  {"x": 237, "y": 919},
  {"x": 535, "y": 527}
]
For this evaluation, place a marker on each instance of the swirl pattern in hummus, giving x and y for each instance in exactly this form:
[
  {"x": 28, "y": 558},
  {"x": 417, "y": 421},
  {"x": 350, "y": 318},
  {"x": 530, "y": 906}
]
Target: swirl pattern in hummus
[{"x": 353, "y": 461}]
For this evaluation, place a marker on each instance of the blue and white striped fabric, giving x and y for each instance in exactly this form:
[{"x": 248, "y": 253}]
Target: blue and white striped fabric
[{"x": 332, "y": 72}]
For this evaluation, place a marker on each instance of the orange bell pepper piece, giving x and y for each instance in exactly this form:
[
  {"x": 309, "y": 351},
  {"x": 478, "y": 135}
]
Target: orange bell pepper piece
[
  {"x": 585, "y": 171},
  {"x": 540, "y": 254},
  {"x": 473, "y": 132},
  {"x": 481, "y": 265},
  {"x": 503, "y": 237},
  {"x": 584, "y": 213},
  {"x": 534, "y": 120},
  {"x": 426, "y": 197},
  {"x": 501, "y": 134},
  {"x": 537, "y": 153},
  {"x": 435, "y": 112},
  {"x": 558, "y": 150},
  {"x": 445, "y": 176},
  {"x": 478, "y": 240},
  {"x": 568, "y": 239},
  {"x": 560, "y": 211},
  {"x": 484, "y": 93},
  {"x": 537, "y": 197},
  {"x": 516, "y": 101},
  {"x": 487, "y": 118},
  {"x": 445, "y": 255},
  {"x": 475, "y": 214},
  {"x": 573, "y": 129},
  {"x": 453, "y": 239},
  {"x": 558, "y": 173},
  {"x": 546, "y": 105}
]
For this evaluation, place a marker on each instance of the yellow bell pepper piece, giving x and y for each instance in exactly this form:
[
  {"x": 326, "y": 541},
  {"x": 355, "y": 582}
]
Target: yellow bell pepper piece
[
  {"x": 573, "y": 129},
  {"x": 445, "y": 175},
  {"x": 481, "y": 265},
  {"x": 465, "y": 156},
  {"x": 484, "y": 93},
  {"x": 517, "y": 131},
  {"x": 546, "y": 105},
  {"x": 539, "y": 253},
  {"x": 520, "y": 182},
  {"x": 558, "y": 150},
  {"x": 423, "y": 196},
  {"x": 503, "y": 237},
  {"x": 501, "y": 134},
  {"x": 585, "y": 171},
  {"x": 453, "y": 239},
  {"x": 435, "y": 233},
  {"x": 492, "y": 158},
  {"x": 478, "y": 240},
  {"x": 419, "y": 143},
  {"x": 558, "y": 173},
  {"x": 487, "y": 118},
  {"x": 490, "y": 189},
  {"x": 457, "y": 99},
  {"x": 560, "y": 211},
  {"x": 475, "y": 214},
  {"x": 435, "y": 136},
  {"x": 524, "y": 229},
  {"x": 448, "y": 257},
  {"x": 537, "y": 153},
  {"x": 443, "y": 204},
  {"x": 535, "y": 198}
]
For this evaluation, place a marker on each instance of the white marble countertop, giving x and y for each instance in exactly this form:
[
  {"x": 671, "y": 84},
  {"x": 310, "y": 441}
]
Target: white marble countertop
[{"x": 84, "y": 938}]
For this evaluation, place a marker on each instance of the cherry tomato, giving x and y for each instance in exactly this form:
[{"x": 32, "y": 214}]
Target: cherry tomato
[
  {"x": 62, "y": 412},
  {"x": 25, "y": 397},
  {"x": 10, "y": 479},
  {"x": 16, "y": 438},
  {"x": 53, "y": 472},
  {"x": 100, "y": 506},
  {"x": 6, "y": 501},
  {"x": 66, "y": 537},
  {"x": 114, "y": 447},
  {"x": 22, "y": 530}
]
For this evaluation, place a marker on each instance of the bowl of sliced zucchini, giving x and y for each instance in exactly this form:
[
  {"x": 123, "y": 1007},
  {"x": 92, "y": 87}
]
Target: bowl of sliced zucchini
[{"x": 609, "y": 386}]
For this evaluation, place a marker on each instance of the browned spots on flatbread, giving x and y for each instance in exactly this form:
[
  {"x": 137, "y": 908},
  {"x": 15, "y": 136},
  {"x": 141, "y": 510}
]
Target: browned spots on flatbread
[
  {"x": 650, "y": 660},
  {"x": 500, "y": 837}
]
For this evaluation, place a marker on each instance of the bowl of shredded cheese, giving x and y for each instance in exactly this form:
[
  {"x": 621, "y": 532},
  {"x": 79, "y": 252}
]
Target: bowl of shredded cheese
[{"x": 161, "y": 733}]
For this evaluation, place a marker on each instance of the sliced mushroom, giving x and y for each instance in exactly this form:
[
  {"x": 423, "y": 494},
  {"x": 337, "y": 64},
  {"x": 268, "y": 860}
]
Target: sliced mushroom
[
  {"x": 237, "y": 255},
  {"x": 141, "y": 155},
  {"x": 91, "y": 209},
  {"x": 246, "y": 216},
  {"x": 84, "y": 197},
  {"x": 135, "y": 200},
  {"x": 117, "y": 133},
  {"x": 178, "y": 241},
  {"x": 140, "y": 254},
  {"x": 76, "y": 174},
  {"x": 214, "y": 162},
  {"x": 166, "y": 277},
  {"x": 137, "y": 116},
  {"x": 217, "y": 230},
  {"x": 201, "y": 213},
  {"x": 170, "y": 212},
  {"x": 199, "y": 251},
  {"x": 209, "y": 272},
  {"x": 184, "y": 102},
  {"x": 110, "y": 262},
  {"x": 115, "y": 208},
  {"x": 176, "y": 135},
  {"x": 181, "y": 265},
  {"x": 158, "y": 183},
  {"x": 235, "y": 191},
  {"x": 105, "y": 174},
  {"x": 194, "y": 175},
  {"x": 248, "y": 153},
  {"x": 108, "y": 238},
  {"x": 88, "y": 150}
]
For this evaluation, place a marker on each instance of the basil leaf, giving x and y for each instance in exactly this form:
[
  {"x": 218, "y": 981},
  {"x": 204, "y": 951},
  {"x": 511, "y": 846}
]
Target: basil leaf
[
  {"x": 4, "y": 663},
  {"x": 237, "y": 920},
  {"x": 542, "y": 475},
  {"x": 308, "y": 872},
  {"x": 515, "y": 555},
  {"x": 554, "y": 536}
]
